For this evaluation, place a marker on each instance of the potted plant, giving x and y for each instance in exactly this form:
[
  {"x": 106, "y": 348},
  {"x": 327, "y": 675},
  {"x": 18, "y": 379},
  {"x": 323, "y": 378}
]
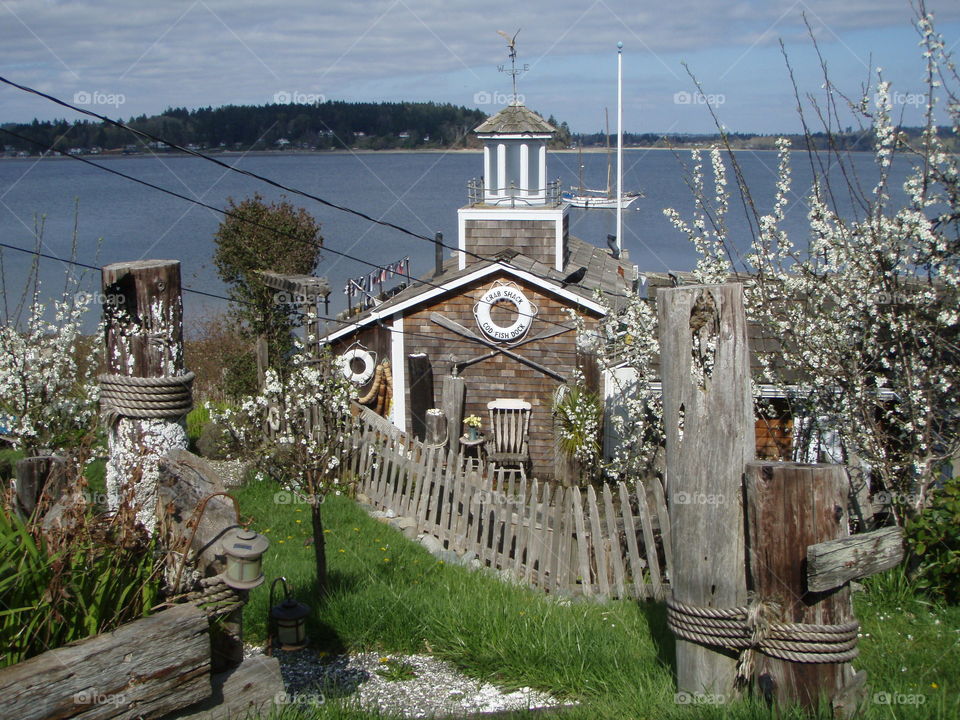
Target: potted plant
[{"x": 473, "y": 424}]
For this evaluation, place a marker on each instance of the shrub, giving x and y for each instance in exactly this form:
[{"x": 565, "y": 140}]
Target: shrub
[{"x": 934, "y": 544}]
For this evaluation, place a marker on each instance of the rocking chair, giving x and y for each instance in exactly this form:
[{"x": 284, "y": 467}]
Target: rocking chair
[{"x": 510, "y": 423}]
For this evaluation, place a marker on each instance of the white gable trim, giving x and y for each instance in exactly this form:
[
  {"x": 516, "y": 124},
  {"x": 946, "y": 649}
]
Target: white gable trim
[{"x": 396, "y": 311}]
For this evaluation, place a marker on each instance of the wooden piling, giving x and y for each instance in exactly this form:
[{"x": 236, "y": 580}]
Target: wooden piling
[
  {"x": 789, "y": 507},
  {"x": 708, "y": 419},
  {"x": 144, "y": 339}
]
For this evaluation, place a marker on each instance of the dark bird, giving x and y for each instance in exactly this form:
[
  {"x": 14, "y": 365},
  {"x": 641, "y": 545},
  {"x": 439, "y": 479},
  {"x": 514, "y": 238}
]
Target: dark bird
[{"x": 574, "y": 277}]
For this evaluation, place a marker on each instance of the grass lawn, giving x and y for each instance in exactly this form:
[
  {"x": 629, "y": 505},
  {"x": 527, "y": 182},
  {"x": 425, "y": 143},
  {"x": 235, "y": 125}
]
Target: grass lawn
[{"x": 389, "y": 595}]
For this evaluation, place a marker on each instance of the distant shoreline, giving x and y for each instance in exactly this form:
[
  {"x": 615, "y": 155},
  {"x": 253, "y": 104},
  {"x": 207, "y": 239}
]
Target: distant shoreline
[{"x": 365, "y": 151}]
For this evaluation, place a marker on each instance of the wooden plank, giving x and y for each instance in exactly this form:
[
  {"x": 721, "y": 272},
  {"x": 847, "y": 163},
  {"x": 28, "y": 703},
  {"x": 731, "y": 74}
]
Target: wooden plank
[
  {"x": 597, "y": 541},
  {"x": 709, "y": 427},
  {"x": 518, "y": 528},
  {"x": 790, "y": 507},
  {"x": 649, "y": 542},
  {"x": 557, "y": 546},
  {"x": 146, "y": 668},
  {"x": 530, "y": 538},
  {"x": 583, "y": 551},
  {"x": 831, "y": 564},
  {"x": 663, "y": 519},
  {"x": 630, "y": 530},
  {"x": 616, "y": 556}
]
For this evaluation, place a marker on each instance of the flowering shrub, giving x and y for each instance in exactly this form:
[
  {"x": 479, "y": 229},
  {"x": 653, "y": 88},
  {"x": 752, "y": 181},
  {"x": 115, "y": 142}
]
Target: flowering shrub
[
  {"x": 299, "y": 430},
  {"x": 48, "y": 386},
  {"x": 865, "y": 308},
  {"x": 579, "y": 414}
]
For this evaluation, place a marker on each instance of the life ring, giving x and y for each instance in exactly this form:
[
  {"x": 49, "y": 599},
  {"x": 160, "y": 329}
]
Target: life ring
[
  {"x": 504, "y": 333},
  {"x": 346, "y": 365}
]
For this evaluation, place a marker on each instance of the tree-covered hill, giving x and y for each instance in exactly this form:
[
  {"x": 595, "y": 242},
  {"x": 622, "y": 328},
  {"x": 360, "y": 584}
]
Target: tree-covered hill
[{"x": 332, "y": 124}]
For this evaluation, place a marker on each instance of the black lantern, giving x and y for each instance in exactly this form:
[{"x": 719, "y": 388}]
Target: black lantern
[
  {"x": 244, "y": 549},
  {"x": 288, "y": 619}
]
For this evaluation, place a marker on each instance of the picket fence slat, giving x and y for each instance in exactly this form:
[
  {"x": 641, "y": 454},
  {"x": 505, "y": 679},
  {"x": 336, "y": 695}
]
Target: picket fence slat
[
  {"x": 616, "y": 558},
  {"x": 650, "y": 549},
  {"x": 630, "y": 530},
  {"x": 597, "y": 542}
]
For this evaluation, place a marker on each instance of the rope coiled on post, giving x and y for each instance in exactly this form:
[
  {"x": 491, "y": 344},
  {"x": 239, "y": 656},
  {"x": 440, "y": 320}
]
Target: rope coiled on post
[
  {"x": 216, "y": 598},
  {"x": 753, "y": 628},
  {"x": 140, "y": 397}
]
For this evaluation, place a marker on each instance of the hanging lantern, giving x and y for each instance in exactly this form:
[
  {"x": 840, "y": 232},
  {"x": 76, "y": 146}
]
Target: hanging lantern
[
  {"x": 288, "y": 619},
  {"x": 244, "y": 549}
]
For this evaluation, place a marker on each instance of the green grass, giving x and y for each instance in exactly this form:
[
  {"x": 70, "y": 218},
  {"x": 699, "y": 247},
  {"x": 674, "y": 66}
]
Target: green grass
[{"x": 389, "y": 595}]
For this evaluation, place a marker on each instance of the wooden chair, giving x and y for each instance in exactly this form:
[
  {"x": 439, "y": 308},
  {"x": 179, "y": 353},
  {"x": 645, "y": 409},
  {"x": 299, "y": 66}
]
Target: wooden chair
[{"x": 510, "y": 425}]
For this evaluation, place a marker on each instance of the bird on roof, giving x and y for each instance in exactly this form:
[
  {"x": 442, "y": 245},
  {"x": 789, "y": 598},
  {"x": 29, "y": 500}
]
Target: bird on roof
[
  {"x": 511, "y": 42},
  {"x": 574, "y": 277}
]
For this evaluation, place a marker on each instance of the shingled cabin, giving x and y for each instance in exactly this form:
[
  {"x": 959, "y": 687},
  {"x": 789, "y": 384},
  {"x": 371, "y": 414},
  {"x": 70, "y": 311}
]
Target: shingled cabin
[{"x": 497, "y": 312}]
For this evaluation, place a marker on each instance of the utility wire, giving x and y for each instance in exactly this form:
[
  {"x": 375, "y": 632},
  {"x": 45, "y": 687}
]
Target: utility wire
[
  {"x": 248, "y": 173},
  {"x": 408, "y": 333},
  {"x": 240, "y": 217}
]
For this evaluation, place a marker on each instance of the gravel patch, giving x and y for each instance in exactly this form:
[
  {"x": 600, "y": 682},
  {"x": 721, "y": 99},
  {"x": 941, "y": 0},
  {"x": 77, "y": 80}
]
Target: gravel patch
[{"x": 435, "y": 688}]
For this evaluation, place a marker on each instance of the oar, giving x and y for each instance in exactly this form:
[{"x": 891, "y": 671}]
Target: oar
[
  {"x": 542, "y": 336},
  {"x": 455, "y": 327}
]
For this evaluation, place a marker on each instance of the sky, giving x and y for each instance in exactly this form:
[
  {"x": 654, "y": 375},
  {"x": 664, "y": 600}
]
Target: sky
[{"x": 126, "y": 58}]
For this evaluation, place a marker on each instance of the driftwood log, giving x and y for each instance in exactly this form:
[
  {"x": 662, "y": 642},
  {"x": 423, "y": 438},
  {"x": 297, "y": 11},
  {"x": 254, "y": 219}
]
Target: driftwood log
[
  {"x": 245, "y": 691},
  {"x": 144, "y": 669},
  {"x": 708, "y": 418}
]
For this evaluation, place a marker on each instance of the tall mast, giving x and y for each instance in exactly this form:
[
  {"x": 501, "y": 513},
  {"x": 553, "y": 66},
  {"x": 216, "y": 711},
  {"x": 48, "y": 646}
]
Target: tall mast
[{"x": 619, "y": 148}]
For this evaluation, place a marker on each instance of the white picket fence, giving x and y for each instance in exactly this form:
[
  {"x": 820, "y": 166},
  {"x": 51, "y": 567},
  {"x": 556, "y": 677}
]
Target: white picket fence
[{"x": 614, "y": 544}]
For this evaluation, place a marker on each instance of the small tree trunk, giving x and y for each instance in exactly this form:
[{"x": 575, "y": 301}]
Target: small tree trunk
[{"x": 319, "y": 546}]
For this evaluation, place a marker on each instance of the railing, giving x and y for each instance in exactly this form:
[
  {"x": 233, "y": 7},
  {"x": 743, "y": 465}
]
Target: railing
[{"x": 513, "y": 196}]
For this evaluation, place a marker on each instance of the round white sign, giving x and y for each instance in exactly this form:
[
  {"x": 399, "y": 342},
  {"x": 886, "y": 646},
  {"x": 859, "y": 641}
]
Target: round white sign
[{"x": 509, "y": 294}]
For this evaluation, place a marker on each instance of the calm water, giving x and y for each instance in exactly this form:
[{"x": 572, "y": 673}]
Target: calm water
[{"x": 119, "y": 220}]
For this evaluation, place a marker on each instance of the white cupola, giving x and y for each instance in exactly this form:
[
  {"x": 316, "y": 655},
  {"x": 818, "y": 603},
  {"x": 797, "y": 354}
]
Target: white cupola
[{"x": 515, "y": 157}]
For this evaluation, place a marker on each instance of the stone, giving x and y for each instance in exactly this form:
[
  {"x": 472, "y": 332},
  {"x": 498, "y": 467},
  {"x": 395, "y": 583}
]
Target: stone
[
  {"x": 431, "y": 544},
  {"x": 449, "y": 557},
  {"x": 468, "y": 557},
  {"x": 410, "y": 532},
  {"x": 215, "y": 442}
]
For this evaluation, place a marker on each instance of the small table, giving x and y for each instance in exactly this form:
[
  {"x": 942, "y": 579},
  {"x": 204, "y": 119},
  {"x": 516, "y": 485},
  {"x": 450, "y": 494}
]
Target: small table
[{"x": 473, "y": 450}]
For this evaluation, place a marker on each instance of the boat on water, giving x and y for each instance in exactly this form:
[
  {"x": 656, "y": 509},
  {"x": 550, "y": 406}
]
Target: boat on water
[{"x": 581, "y": 197}]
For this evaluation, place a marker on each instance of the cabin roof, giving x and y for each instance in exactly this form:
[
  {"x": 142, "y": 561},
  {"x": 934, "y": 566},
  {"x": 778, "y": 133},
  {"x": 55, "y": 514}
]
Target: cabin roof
[
  {"x": 513, "y": 120},
  {"x": 601, "y": 274}
]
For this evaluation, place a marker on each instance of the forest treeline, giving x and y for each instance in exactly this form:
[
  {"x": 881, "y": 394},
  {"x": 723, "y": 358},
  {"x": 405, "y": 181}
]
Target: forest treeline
[{"x": 335, "y": 125}]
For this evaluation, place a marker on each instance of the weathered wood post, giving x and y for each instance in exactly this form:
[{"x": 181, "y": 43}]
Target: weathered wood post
[
  {"x": 145, "y": 393},
  {"x": 454, "y": 393},
  {"x": 36, "y": 476},
  {"x": 708, "y": 418},
  {"x": 790, "y": 507}
]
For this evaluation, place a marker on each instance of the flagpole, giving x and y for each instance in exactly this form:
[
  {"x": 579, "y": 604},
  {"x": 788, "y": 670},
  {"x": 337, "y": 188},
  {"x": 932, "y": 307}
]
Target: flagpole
[{"x": 619, "y": 148}]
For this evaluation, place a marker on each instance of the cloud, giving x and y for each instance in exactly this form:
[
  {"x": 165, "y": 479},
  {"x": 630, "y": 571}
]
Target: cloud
[{"x": 211, "y": 52}]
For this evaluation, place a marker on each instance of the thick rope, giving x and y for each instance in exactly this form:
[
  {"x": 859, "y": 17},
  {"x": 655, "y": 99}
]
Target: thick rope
[
  {"x": 139, "y": 397},
  {"x": 753, "y": 628},
  {"x": 216, "y": 598}
]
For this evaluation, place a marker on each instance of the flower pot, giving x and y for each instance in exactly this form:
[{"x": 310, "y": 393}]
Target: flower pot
[{"x": 472, "y": 433}]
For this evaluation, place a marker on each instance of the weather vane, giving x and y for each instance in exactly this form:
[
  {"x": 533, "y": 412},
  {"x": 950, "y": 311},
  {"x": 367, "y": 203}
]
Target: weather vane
[{"x": 512, "y": 52}]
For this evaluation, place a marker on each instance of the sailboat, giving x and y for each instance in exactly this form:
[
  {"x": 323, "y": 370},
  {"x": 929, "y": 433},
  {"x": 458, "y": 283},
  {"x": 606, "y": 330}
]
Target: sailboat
[{"x": 599, "y": 199}]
